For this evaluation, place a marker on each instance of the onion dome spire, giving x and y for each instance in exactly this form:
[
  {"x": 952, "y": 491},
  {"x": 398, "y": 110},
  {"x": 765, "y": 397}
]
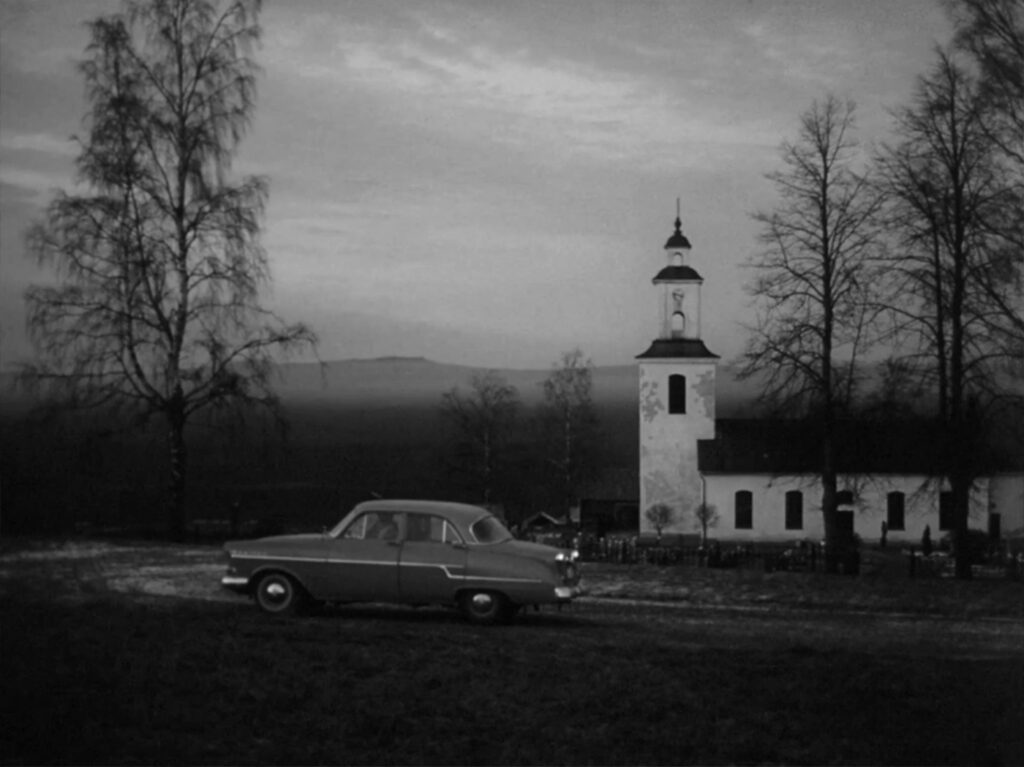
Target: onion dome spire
[{"x": 678, "y": 240}]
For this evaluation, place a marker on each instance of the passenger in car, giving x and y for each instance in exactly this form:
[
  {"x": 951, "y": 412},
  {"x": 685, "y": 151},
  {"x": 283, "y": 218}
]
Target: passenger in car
[{"x": 387, "y": 530}]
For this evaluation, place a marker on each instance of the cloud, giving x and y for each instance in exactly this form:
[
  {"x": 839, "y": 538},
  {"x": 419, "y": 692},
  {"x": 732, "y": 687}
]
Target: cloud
[
  {"x": 39, "y": 142},
  {"x": 42, "y": 37},
  {"x": 37, "y": 184},
  {"x": 577, "y": 108},
  {"x": 551, "y": 106}
]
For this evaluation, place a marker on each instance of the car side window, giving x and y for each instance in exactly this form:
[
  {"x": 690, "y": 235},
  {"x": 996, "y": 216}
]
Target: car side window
[
  {"x": 418, "y": 527},
  {"x": 450, "y": 534},
  {"x": 373, "y": 525},
  {"x": 430, "y": 528},
  {"x": 357, "y": 529}
]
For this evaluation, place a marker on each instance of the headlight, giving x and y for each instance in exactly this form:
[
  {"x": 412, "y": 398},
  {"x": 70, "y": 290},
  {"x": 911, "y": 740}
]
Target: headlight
[{"x": 571, "y": 556}]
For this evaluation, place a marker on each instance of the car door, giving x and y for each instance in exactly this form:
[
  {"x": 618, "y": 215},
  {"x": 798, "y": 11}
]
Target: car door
[
  {"x": 362, "y": 561},
  {"x": 432, "y": 562}
]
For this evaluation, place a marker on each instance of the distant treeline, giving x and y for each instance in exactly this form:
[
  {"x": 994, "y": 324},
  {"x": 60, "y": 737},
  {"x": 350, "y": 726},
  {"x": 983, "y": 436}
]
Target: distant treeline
[{"x": 89, "y": 473}]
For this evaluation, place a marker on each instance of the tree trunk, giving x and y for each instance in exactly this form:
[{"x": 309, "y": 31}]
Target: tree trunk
[
  {"x": 961, "y": 490},
  {"x": 833, "y": 542},
  {"x": 178, "y": 460}
]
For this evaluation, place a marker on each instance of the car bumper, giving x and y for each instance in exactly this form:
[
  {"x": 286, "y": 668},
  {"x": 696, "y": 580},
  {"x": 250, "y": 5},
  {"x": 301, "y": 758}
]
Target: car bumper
[
  {"x": 238, "y": 583},
  {"x": 568, "y": 593}
]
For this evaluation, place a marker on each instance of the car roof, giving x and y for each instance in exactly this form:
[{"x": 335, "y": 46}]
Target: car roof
[{"x": 460, "y": 513}]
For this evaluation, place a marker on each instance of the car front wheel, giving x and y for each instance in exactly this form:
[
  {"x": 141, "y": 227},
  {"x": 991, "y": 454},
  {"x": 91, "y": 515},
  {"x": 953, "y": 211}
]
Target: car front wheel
[
  {"x": 278, "y": 594},
  {"x": 486, "y": 607}
]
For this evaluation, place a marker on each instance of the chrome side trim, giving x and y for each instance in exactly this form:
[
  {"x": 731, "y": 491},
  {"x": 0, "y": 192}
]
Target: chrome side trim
[
  {"x": 257, "y": 555},
  {"x": 448, "y": 569},
  {"x": 501, "y": 580},
  {"x": 234, "y": 580}
]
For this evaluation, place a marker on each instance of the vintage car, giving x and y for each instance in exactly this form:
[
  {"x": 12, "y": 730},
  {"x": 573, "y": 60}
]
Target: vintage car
[{"x": 409, "y": 552}]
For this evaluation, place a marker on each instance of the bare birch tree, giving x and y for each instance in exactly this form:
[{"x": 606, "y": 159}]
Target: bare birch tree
[
  {"x": 485, "y": 419},
  {"x": 955, "y": 270},
  {"x": 158, "y": 261},
  {"x": 992, "y": 31},
  {"x": 812, "y": 284},
  {"x": 569, "y": 422}
]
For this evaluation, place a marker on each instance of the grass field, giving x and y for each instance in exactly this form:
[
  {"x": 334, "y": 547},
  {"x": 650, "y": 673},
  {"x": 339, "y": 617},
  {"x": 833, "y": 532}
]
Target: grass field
[{"x": 129, "y": 654}]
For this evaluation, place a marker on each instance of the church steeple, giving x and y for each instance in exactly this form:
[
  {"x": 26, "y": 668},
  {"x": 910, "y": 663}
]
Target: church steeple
[
  {"x": 676, "y": 395},
  {"x": 678, "y": 241},
  {"x": 679, "y": 334}
]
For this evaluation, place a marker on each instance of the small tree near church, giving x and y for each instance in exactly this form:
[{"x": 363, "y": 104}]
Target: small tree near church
[{"x": 660, "y": 516}]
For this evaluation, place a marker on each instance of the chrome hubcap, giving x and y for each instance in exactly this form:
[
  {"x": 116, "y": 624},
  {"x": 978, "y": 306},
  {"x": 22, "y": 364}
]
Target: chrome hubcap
[
  {"x": 276, "y": 592},
  {"x": 482, "y": 601}
]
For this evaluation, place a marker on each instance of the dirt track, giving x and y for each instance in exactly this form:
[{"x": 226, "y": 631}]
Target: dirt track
[{"x": 759, "y": 607}]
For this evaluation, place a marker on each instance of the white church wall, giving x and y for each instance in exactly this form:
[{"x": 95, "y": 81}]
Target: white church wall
[
  {"x": 870, "y": 506},
  {"x": 1006, "y": 498},
  {"x": 668, "y": 441}
]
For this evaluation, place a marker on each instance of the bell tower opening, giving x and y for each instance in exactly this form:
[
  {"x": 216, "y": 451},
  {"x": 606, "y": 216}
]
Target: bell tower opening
[{"x": 678, "y": 325}]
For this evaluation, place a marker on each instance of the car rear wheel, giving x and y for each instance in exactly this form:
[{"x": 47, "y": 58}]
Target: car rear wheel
[
  {"x": 486, "y": 607},
  {"x": 278, "y": 594}
]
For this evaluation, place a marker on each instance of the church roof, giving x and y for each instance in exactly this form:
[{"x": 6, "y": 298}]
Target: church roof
[
  {"x": 678, "y": 274},
  {"x": 677, "y": 241},
  {"x": 774, "y": 446},
  {"x": 669, "y": 348}
]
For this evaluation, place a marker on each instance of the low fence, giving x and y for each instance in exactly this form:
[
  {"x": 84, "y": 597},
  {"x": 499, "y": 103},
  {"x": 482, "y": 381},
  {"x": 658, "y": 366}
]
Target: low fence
[
  {"x": 802, "y": 556},
  {"x": 799, "y": 556},
  {"x": 941, "y": 564}
]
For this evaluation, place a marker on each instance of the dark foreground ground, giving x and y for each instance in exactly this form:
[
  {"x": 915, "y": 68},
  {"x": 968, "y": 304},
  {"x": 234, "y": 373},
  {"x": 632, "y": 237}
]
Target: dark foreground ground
[{"x": 114, "y": 654}]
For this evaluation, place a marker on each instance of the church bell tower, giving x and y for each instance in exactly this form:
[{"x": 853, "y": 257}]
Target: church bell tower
[{"x": 677, "y": 397}]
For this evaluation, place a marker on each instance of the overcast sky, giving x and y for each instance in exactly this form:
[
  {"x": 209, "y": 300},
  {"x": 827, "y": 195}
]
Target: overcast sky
[{"x": 491, "y": 183}]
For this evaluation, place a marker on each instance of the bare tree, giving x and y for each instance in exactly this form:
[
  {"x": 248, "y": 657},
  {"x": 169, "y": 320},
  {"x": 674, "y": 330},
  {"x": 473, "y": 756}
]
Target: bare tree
[
  {"x": 569, "y": 421},
  {"x": 485, "y": 419},
  {"x": 159, "y": 266},
  {"x": 956, "y": 271},
  {"x": 706, "y": 517},
  {"x": 813, "y": 282},
  {"x": 660, "y": 516},
  {"x": 992, "y": 31}
]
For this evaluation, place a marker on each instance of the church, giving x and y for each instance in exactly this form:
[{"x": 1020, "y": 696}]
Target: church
[{"x": 754, "y": 478}]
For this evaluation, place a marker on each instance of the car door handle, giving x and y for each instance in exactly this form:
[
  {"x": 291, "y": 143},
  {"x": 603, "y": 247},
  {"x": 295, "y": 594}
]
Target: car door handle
[{"x": 394, "y": 543}]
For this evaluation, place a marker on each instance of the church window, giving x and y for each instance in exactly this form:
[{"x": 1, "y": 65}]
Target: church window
[
  {"x": 945, "y": 510},
  {"x": 794, "y": 510},
  {"x": 744, "y": 510},
  {"x": 676, "y": 394},
  {"x": 844, "y": 498},
  {"x": 895, "y": 506}
]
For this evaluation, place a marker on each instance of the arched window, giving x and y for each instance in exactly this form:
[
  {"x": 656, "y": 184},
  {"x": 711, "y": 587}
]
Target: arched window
[
  {"x": 676, "y": 394},
  {"x": 895, "y": 504},
  {"x": 678, "y": 328},
  {"x": 744, "y": 510},
  {"x": 794, "y": 510}
]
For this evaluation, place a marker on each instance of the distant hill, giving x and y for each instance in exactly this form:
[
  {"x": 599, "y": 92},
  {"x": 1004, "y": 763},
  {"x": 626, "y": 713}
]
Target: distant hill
[
  {"x": 412, "y": 381},
  {"x": 416, "y": 380}
]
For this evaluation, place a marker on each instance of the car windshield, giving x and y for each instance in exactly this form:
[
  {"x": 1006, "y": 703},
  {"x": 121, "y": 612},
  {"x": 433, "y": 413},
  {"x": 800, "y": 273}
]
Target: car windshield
[{"x": 490, "y": 530}]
